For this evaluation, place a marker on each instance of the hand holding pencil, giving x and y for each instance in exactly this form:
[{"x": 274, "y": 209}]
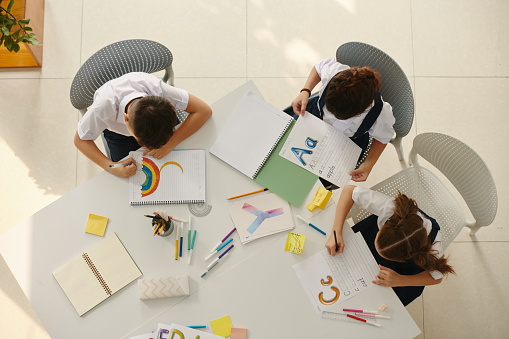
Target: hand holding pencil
[{"x": 335, "y": 244}]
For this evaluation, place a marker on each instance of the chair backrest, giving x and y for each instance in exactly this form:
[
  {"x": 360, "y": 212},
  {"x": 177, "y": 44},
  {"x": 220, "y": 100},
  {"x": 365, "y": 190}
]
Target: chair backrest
[
  {"x": 114, "y": 61},
  {"x": 396, "y": 88},
  {"x": 465, "y": 170}
]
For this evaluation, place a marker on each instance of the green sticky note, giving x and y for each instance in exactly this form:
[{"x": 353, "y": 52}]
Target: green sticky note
[
  {"x": 222, "y": 326},
  {"x": 287, "y": 180}
]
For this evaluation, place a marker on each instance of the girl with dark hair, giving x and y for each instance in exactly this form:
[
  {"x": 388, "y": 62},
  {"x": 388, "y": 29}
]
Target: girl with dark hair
[
  {"x": 405, "y": 241},
  {"x": 349, "y": 99}
]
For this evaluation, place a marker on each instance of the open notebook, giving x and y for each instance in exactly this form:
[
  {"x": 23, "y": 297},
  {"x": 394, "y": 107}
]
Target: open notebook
[
  {"x": 178, "y": 178},
  {"x": 250, "y": 142},
  {"x": 97, "y": 273}
]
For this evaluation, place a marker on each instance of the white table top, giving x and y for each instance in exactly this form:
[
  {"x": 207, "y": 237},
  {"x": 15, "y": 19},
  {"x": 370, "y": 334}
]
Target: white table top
[{"x": 255, "y": 284}]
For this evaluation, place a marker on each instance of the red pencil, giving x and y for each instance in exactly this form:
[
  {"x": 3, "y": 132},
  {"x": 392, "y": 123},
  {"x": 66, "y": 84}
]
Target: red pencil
[{"x": 364, "y": 320}]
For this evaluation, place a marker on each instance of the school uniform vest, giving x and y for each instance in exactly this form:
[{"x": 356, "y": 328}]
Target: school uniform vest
[{"x": 369, "y": 229}]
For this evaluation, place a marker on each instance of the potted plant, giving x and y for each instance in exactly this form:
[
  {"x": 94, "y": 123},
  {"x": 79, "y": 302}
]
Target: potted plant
[{"x": 10, "y": 37}]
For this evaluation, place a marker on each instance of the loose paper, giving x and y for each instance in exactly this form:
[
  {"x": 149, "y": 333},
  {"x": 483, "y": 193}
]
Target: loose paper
[
  {"x": 222, "y": 326},
  {"x": 331, "y": 280},
  {"x": 321, "y": 149}
]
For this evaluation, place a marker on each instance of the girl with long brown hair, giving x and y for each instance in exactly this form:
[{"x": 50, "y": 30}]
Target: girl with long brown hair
[{"x": 405, "y": 241}]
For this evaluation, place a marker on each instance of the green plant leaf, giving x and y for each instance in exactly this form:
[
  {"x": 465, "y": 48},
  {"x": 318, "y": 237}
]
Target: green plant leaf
[
  {"x": 6, "y": 31},
  {"x": 10, "y": 5},
  {"x": 8, "y": 43},
  {"x": 16, "y": 34},
  {"x": 26, "y": 28},
  {"x": 16, "y": 48},
  {"x": 24, "y": 21}
]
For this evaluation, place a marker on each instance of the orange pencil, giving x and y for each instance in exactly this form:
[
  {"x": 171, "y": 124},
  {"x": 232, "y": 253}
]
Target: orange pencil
[{"x": 243, "y": 195}]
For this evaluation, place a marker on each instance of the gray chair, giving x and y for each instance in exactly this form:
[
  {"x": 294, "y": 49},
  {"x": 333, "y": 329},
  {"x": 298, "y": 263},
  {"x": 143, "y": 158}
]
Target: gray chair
[
  {"x": 463, "y": 167},
  {"x": 116, "y": 60},
  {"x": 395, "y": 90}
]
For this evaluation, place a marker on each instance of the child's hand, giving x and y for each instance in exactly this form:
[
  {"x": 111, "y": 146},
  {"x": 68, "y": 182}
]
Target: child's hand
[
  {"x": 387, "y": 277},
  {"x": 331, "y": 244},
  {"x": 300, "y": 102},
  {"x": 124, "y": 171},
  {"x": 361, "y": 173},
  {"x": 159, "y": 152}
]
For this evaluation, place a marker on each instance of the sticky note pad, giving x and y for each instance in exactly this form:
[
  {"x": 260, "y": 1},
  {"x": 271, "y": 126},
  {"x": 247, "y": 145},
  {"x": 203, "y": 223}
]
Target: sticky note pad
[
  {"x": 238, "y": 333},
  {"x": 321, "y": 199},
  {"x": 222, "y": 326},
  {"x": 96, "y": 224},
  {"x": 295, "y": 242}
]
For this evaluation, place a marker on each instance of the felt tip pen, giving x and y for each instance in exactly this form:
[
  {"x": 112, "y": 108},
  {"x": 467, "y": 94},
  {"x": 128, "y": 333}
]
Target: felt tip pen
[
  {"x": 197, "y": 326},
  {"x": 310, "y": 224},
  {"x": 181, "y": 243},
  {"x": 120, "y": 164},
  {"x": 359, "y": 311},
  {"x": 373, "y": 315},
  {"x": 177, "y": 219},
  {"x": 189, "y": 234},
  {"x": 218, "y": 249},
  {"x": 233, "y": 230},
  {"x": 192, "y": 248},
  {"x": 218, "y": 258},
  {"x": 364, "y": 320},
  {"x": 214, "y": 265}
]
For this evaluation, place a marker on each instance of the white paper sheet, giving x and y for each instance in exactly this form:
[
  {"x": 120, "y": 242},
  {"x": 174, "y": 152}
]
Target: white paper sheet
[
  {"x": 321, "y": 149},
  {"x": 338, "y": 278}
]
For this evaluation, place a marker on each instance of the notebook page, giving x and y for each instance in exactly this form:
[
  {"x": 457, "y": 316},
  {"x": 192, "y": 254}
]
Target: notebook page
[
  {"x": 80, "y": 285},
  {"x": 177, "y": 178},
  {"x": 250, "y": 135},
  {"x": 113, "y": 262}
]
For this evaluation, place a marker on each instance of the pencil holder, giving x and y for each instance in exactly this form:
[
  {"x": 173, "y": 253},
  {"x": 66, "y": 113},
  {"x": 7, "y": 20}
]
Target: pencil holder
[{"x": 167, "y": 230}]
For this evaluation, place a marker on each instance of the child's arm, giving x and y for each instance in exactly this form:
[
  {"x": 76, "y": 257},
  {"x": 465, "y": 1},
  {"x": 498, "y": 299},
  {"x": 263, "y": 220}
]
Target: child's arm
[
  {"x": 345, "y": 203},
  {"x": 362, "y": 173},
  {"x": 300, "y": 102},
  {"x": 389, "y": 278},
  {"x": 91, "y": 151},
  {"x": 199, "y": 113}
]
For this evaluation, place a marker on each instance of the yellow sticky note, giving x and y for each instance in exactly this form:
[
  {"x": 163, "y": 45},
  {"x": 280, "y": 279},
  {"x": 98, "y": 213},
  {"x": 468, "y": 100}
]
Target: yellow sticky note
[
  {"x": 96, "y": 224},
  {"x": 295, "y": 242},
  {"x": 238, "y": 333},
  {"x": 321, "y": 199},
  {"x": 222, "y": 326}
]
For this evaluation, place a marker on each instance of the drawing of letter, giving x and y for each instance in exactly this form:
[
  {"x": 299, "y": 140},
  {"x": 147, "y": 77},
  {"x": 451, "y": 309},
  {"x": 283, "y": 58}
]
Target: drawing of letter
[
  {"x": 299, "y": 152},
  {"x": 311, "y": 143}
]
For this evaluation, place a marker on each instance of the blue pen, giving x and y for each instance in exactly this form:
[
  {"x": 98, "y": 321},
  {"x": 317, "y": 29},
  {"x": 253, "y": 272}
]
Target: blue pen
[
  {"x": 215, "y": 262},
  {"x": 197, "y": 326},
  {"x": 219, "y": 249},
  {"x": 310, "y": 224}
]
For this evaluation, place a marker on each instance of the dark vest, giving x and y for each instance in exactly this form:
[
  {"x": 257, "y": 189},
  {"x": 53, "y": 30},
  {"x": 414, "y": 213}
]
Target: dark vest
[{"x": 369, "y": 229}]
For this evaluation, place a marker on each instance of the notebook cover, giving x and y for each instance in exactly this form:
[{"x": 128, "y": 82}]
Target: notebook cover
[{"x": 287, "y": 180}]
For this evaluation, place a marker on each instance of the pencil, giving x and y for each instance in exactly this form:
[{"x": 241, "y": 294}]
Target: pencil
[
  {"x": 336, "y": 239},
  {"x": 243, "y": 195},
  {"x": 120, "y": 164}
]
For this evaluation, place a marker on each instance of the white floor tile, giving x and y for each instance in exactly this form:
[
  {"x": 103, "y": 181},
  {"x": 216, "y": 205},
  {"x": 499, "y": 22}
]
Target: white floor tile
[
  {"x": 207, "y": 39},
  {"x": 473, "y": 303},
  {"x": 286, "y": 39},
  {"x": 460, "y": 38}
]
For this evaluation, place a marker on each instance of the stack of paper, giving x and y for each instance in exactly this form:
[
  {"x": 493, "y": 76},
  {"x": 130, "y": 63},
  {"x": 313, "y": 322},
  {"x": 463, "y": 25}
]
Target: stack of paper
[{"x": 260, "y": 216}]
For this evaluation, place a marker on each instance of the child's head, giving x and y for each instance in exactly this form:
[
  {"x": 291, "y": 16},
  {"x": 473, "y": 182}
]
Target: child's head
[
  {"x": 403, "y": 237},
  {"x": 352, "y": 91},
  {"x": 151, "y": 120}
]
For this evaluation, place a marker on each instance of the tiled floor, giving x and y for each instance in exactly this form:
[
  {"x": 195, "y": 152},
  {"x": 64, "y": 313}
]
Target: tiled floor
[{"x": 455, "y": 53}]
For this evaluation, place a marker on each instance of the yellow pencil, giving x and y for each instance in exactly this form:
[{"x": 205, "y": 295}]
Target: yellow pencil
[
  {"x": 243, "y": 195},
  {"x": 176, "y": 249}
]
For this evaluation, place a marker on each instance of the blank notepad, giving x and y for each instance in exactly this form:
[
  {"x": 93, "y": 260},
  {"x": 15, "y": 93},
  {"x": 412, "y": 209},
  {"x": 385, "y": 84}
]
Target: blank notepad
[
  {"x": 177, "y": 178},
  {"x": 97, "y": 273},
  {"x": 250, "y": 135}
]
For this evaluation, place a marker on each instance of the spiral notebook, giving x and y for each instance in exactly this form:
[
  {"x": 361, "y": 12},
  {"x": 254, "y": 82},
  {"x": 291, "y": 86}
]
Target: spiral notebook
[
  {"x": 250, "y": 143},
  {"x": 97, "y": 273},
  {"x": 251, "y": 134},
  {"x": 177, "y": 178}
]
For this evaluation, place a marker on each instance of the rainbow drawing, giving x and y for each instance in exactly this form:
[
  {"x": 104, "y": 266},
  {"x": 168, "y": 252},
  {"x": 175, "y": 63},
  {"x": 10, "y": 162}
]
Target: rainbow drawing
[{"x": 153, "y": 175}]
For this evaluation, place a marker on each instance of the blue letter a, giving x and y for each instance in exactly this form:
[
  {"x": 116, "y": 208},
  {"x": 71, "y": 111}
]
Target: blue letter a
[{"x": 299, "y": 152}]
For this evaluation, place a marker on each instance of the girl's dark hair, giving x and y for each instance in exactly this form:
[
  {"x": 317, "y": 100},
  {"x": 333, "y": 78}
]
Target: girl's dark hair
[
  {"x": 352, "y": 91},
  {"x": 153, "y": 121},
  {"x": 403, "y": 237}
]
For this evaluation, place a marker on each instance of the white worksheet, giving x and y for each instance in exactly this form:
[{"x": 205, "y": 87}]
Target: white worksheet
[
  {"x": 321, "y": 149},
  {"x": 329, "y": 280}
]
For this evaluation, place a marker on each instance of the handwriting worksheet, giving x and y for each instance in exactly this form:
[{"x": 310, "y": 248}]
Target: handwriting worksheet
[{"x": 321, "y": 149}]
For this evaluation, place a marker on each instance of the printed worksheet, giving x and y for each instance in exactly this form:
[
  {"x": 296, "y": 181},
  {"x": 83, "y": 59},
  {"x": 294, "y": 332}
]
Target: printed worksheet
[
  {"x": 331, "y": 280},
  {"x": 321, "y": 149}
]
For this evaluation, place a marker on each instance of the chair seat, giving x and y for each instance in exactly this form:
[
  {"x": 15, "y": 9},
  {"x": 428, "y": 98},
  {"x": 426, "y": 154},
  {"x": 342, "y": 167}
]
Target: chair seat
[{"x": 432, "y": 196}]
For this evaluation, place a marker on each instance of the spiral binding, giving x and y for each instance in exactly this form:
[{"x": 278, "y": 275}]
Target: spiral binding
[
  {"x": 96, "y": 273},
  {"x": 166, "y": 202},
  {"x": 272, "y": 149}
]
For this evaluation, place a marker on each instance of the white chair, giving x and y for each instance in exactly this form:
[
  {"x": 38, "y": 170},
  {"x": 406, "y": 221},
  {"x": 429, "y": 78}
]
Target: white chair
[{"x": 462, "y": 167}]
